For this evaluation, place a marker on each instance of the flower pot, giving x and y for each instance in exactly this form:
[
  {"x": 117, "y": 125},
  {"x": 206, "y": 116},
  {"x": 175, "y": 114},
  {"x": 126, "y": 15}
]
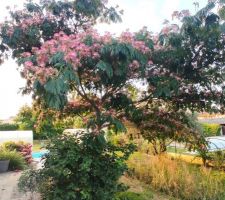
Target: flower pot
[{"x": 4, "y": 165}]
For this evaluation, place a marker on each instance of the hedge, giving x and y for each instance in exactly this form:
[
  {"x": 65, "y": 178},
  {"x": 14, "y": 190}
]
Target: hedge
[
  {"x": 9, "y": 127},
  {"x": 211, "y": 129}
]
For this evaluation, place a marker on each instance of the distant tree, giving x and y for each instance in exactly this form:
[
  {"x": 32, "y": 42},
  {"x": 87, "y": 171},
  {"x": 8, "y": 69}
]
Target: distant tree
[
  {"x": 161, "y": 123},
  {"x": 25, "y": 118}
]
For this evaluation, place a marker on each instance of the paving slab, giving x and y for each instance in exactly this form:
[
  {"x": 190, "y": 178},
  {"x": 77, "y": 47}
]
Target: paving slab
[{"x": 9, "y": 189}]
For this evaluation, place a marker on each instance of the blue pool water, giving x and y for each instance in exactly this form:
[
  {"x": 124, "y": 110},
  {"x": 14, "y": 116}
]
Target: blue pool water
[{"x": 39, "y": 154}]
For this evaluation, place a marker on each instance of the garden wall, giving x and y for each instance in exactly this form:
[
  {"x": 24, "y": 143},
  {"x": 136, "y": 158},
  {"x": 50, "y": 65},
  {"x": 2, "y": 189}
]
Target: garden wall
[{"x": 26, "y": 136}]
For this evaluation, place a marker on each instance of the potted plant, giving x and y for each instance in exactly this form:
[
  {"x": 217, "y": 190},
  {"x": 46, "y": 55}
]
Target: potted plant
[{"x": 4, "y": 161}]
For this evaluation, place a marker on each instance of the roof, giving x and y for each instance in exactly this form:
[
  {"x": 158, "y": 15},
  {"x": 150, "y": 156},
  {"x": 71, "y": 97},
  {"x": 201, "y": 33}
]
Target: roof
[
  {"x": 216, "y": 143},
  {"x": 213, "y": 120}
]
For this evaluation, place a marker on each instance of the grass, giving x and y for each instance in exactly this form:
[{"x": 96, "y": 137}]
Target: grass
[
  {"x": 143, "y": 190},
  {"x": 192, "y": 159},
  {"x": 176, "y": 150},
  {"x": 38, "y": 145},
  {"x": 17, "y": 161},
  {"x": 177, "y": 178}
]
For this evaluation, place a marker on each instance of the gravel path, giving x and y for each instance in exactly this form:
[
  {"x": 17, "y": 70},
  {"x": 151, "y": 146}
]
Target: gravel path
[{"x": 9, "y": 189}]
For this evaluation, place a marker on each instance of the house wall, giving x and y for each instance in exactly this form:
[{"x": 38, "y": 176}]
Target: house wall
[{"x": 16, "y": 136}]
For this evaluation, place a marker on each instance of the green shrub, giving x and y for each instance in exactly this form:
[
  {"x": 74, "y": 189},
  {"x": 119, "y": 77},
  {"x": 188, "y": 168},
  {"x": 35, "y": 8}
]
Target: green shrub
[
  {"x": 81, "y": 168},
  {"x": 8, "y": 127},
  {"x": 177, "y": 178},
  {"x": 12, "y": 146},
  {"x": 211, "y": 129},
  {"x": 129, "y": 196},
  {"x": 29, "y": 180},
  {"x": 217, "y": 159},
  {"x": 119, "y": 139},
  {"x": 17, "y": 162}
]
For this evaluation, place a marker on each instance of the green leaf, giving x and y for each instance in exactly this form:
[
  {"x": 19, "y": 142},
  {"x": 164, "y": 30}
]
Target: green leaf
[
  {"x": 222, "y": 27},
  {"x": 71, "y": 75},
  {"x": 55, "y": 101},
  {"x": 221, "y": 13},
  {"x": 222, "y": 1},
  {"x": 55, "y": 86},
  {"x": 57, "y": 58},
  {"x": 106, "y": 68},
  {"x": 119, "y": 125}
]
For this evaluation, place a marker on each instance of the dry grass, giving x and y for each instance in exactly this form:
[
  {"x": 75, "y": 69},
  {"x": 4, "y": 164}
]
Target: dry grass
[
  {"x": 178, "y": 178},
  {"x": 192, "y": 159}
]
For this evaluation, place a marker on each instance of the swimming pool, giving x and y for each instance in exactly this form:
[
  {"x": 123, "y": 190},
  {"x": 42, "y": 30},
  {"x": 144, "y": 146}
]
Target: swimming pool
[{"x": 39, "y": 154}]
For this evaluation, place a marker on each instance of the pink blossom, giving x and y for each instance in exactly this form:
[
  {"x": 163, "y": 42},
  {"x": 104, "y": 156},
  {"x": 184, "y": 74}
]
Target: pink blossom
[
  {"x": 26, "y": 54},
  {"x": 28, "y": 64},
  {"x": 135, "y": 64},
  {"x": 76, "y": 52},
  {"x": 150, "y": 62}
]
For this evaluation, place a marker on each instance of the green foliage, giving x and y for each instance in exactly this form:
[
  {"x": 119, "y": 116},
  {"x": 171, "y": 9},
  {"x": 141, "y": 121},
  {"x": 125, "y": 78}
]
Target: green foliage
[
  {"x": 221, "y": 12},
  {"x": 106, "y": 68},
  {"x": 82, "y": 167},
  {"x": 129, "y": 196},
  {"x": 217, "y": 159},
  {"x": 45, "y": 123},
  {"x": 8, "y": 127},
  {"x": 160, "y": 122},
  {"x": 191, "y": 52},
  {"x": 28, "y": 181},
  {"x": 119, "y": 139},
  {"x": 17, "y": 162},
  {"x": 25, "y": 118},
  {"x": 211, "y": 129},
  {"x": 12, "y": 146}
]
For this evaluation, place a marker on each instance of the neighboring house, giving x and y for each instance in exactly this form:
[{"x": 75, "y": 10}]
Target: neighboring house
[{"x": 220, "y": 119}]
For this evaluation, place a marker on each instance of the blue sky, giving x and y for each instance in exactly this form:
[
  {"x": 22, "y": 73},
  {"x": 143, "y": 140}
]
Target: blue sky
[{"x": 137, "y": 13}]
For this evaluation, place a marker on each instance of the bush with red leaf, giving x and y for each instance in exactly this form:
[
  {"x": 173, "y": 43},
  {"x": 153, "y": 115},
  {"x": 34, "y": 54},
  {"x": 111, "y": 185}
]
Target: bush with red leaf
[{"x": 23, "y": 148}]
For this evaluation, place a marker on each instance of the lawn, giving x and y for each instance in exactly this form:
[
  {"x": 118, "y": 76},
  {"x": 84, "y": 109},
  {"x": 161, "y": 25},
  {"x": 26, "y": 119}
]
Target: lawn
[
  {"x": 172, "y": 149},
  {"x": 145, "y": 192},
  {"x": 39, "y": 145}
]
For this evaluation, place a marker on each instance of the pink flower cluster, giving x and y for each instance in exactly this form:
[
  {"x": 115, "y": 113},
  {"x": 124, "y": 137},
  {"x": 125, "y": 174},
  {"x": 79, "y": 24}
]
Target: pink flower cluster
[
  {"x": 75, "y": 50},
  {"x": 128, "y": 37},
  {"x": 32, "y": 72},
  {"x": 180, "y": 15},
  {"x": 171, "y": 28},
  {"x": 34, "y": 20},
  {"x": 27, "y": 20}
]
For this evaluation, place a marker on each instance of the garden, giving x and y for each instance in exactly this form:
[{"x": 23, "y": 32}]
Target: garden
[{"x": 128, "y": 98}]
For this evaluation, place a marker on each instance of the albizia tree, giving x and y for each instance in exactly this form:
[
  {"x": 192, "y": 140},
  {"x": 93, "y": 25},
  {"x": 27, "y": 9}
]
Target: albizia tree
[
  {"x": 62, "y": 54},
  {"x": 97, "y": 67}
]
